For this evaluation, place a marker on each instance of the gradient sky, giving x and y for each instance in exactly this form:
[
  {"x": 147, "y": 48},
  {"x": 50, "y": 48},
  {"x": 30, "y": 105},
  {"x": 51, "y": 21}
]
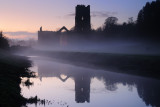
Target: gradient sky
[{"x": 26, "y": 16}]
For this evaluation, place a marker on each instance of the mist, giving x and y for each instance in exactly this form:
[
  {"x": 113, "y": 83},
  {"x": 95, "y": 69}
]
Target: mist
[
  {"x": 79, "y": 43},
  {"x": 78, "y": 63}
]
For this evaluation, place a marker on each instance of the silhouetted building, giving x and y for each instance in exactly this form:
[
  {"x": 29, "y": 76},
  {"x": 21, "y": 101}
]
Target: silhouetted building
[
  {"x": 82, "y": 24},
  {"x": 82, "y": 18},
  {"x": 51, "y": 37}
]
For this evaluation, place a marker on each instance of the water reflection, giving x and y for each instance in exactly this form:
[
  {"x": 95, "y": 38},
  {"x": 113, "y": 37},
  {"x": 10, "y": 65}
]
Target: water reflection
[
  {"x": 148, "y": 89},
  {"x": 82, "y": 87},
  {"x": 82, "y": 78}
]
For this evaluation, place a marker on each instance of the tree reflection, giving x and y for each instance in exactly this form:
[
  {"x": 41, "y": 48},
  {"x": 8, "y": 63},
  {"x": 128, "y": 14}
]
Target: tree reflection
[
  {"x": 148, "y": 89},
  {"x": 149, "y": 92}
]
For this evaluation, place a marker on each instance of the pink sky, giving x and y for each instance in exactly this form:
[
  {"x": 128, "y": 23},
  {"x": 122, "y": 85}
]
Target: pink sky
[{"x": 30, "y": 15}]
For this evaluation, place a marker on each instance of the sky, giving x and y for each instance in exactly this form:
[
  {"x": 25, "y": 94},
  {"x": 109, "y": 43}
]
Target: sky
[{"x": 21, "y": 19}]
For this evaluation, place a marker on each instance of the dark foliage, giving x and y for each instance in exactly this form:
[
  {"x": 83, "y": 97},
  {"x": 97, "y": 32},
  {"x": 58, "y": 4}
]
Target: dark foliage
[
  {"x": 147, "y": 24},
  {"x": 149, "y": 17},
  {"x": 3, "y": 42},
  {"x": 110, "y": 24},
  {"x": 112, "y": 27},
  {"x": 11, "y": 69}
]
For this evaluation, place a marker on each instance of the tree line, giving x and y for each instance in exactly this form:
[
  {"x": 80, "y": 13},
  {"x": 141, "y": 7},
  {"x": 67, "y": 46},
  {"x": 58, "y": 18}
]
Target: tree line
[{"x": 148, "y": 22}]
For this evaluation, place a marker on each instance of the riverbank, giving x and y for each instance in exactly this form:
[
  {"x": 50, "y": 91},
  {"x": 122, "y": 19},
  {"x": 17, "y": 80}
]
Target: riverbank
[
  {"x": 135, "y": 64},
  {"x": 12, "y": 68}
]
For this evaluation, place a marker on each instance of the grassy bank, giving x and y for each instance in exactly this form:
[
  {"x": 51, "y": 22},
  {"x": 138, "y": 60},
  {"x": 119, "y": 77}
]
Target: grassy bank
[
  {"x": 11, "y": 69},
  {"x": 142, "y": 65}
]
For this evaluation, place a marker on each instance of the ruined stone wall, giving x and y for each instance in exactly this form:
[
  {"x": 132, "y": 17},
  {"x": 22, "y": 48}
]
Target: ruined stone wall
[{"x": 48, "y": 37}]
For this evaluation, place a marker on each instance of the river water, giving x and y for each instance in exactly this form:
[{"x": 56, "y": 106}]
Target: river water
[{"x": 65, "y": 85}]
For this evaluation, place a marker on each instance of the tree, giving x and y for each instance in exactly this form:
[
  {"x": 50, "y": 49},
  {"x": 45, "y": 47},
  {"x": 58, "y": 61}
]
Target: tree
[
  {"x": 148, "y": 19},
  {"x": 110, "y": 24},
  {"x": 130, "y": 20},
  {"x": 3, "y": 42},
  {"x": 110, "y": 21}
]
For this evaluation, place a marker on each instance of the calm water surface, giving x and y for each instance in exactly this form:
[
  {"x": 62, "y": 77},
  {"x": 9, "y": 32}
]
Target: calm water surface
[{"x": 65, "y": 85}]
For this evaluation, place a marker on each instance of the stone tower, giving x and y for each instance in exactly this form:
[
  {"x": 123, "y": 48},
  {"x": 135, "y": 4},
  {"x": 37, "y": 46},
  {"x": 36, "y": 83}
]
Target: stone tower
[{"x": 82, "y": 18}]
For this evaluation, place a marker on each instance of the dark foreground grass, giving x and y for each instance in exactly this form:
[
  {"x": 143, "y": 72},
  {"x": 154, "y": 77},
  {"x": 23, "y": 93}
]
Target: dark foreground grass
[
  {"x": 142, "y": 65},
  {"x": 12, "y": 68}
]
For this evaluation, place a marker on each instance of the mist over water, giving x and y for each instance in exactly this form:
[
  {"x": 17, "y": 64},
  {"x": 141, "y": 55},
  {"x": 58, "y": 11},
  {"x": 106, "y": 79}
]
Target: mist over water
[{"x": 68, "y": 85}]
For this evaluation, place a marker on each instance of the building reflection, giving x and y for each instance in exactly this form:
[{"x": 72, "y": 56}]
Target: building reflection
[
  {"x": 81, "y": 78},
  {"x": 82, "y": 88},
  {"x": 148, "y": 89}
]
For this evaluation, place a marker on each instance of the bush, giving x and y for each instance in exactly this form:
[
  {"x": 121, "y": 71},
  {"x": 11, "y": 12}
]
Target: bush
[{"x": 3, "y": 42}]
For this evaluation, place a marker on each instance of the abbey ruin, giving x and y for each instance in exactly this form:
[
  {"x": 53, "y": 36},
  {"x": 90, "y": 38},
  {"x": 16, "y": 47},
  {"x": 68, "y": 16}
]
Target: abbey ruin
[{"x": 82, "y": 25}]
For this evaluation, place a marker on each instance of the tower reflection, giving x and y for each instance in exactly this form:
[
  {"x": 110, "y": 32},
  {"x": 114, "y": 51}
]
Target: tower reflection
[
  {"x": 82, "y": 88},
  {"x": 148, "y": 89}
]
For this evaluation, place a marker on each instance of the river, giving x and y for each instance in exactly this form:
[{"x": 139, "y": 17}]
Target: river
[{"x": 66, "y": 85}]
